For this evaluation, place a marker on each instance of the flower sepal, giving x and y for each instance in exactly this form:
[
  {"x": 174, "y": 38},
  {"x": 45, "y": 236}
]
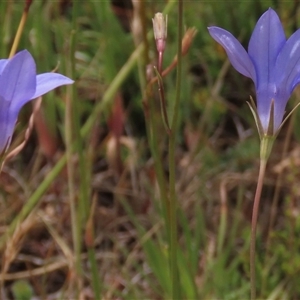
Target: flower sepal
[
  {"x": 266, "y": 145},
  {"x": 270, "y": 130},
  {"x": 267, "y": 138},
  {"x": 286, "y": 118},
  {"x": 255, "y": 114}
]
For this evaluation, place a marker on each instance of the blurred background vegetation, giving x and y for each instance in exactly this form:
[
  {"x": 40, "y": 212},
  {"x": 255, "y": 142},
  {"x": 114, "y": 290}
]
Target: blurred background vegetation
[{"x": 119, "y": 248}]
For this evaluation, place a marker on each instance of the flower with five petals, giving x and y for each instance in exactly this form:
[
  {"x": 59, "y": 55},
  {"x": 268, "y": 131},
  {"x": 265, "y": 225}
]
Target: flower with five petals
[{"x": 272, "y": 62}]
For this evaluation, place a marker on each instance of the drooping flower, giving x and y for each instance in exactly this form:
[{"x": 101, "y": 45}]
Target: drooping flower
[
  {"x": 272, "y": 62},
  {"x": 19, "y": 84}
]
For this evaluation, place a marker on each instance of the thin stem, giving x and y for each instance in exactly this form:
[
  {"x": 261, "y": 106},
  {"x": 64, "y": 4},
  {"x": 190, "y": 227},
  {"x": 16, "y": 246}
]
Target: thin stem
[
  {"x": 80, "y": 211},
  {"x": 71, "y": 181},
  {"x": 163, "y": 105},
  {"x": 262, "y": 169},
  {"x": 83, "y": 205},
  {"x": 72, "y": 137},
  {"x": 172, "y": 167},
  {"x": 20, "y": 29},
  {"x": 160, "y": 60},
  {"x": 152, "y": 134}
]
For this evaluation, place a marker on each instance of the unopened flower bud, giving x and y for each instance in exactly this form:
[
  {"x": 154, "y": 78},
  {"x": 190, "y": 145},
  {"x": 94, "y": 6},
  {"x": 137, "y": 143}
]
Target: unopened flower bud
[{"x": 160, "y": 31}]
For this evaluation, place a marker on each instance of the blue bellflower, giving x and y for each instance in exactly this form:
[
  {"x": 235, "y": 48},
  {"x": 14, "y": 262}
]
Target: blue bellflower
[
  {"x": 272, "y": 62},
  {"x": 18, "y": 85}
]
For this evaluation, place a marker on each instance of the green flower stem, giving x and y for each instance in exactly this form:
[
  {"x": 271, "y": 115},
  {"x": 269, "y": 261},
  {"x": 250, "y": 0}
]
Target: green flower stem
[
  {"x": 80, "y": 211},
  {"x": 83, "y": 205},
  {"x": 266, "y": 145},
  {"x": 158, "y": 165},
  {"x": 20, "y": 29},
  {"x": 172, "y": 212},
  {"x": 262, "y": 169},
  {"x": 162, "y": 101},
  {"x": 70, "y": 118},
  {"x": 176, "y": 293},
  {"x": 71, "y": 183}
]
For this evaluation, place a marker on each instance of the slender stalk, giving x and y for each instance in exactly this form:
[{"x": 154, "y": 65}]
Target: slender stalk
[
  {"x": 71, "y": 181},
  {"x": 172, "y": 167},
  {"x": 162, "y": 99},
  {"x": 158, "y": 165},
  {"x": 83, "y": 204},
  {"x": 262, "y": 169},
  {"x": 20, "y": 29},
  {"x": 160, "y": 60},
  {"x": 71, "y": 139},
  {"x": 82, "y": 208}
]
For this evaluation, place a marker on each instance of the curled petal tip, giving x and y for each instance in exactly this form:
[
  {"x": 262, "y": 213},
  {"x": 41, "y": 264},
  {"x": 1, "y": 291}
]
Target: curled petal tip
[{"x": 49, "y": 81}]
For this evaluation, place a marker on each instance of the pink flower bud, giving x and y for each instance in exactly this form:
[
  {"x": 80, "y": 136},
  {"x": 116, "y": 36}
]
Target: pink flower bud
[{"x": 160, "y": 31}]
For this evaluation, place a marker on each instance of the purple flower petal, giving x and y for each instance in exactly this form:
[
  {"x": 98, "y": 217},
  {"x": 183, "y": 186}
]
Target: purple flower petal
[
  {"x": 279, "y": 108},
  {"x": 18, "y": 85},
  {"x": 7, "y": 123},
  {"x": 49, "y": 81},
  {"x": 287, "y": 69},
  {"x": 276, "y": 63},
  {"x": 18, "y": 78},
  {"x": 266, "y": 41},
  {"x": 3, "y": 63},
  {"x": 237, "y": 55},
  {"x": 264, "y": 98}
]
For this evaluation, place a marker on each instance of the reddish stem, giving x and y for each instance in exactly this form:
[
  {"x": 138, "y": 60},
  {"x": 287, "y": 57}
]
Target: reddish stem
[
  {"x": 27, "y": 5},
  {"x": 262, "y": 169}
]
